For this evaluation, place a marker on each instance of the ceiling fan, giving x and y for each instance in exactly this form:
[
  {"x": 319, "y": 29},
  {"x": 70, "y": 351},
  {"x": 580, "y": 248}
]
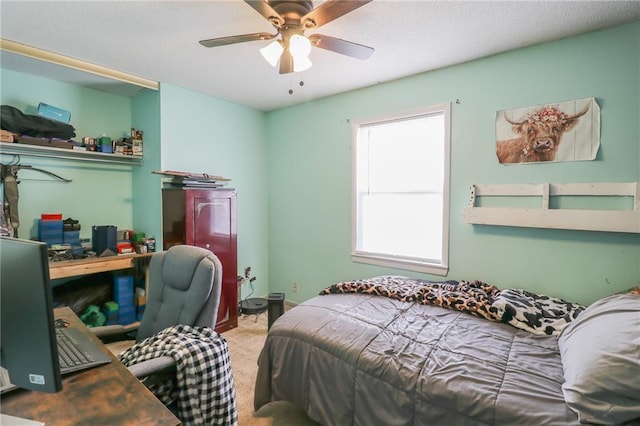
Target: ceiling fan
[{"x": 291, "y": 18}]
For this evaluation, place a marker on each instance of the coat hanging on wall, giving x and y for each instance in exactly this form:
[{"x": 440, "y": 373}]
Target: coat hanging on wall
[{"x": 9, "y": 178}]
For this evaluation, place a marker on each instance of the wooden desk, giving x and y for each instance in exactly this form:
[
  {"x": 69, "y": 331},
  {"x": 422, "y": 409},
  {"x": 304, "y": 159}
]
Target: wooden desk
[
  {"x": 93, "y": 265},
  {"x": 105, "y": 395}
]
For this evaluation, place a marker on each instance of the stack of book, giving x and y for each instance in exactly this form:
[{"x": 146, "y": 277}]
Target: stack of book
[{"x": 193, "y": 180}]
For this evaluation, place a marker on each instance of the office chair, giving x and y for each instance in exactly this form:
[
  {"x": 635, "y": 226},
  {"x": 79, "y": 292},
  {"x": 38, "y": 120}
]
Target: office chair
[{"x": 184, "y": 289}]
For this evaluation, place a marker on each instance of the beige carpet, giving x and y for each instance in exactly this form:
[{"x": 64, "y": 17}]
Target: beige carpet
[{"x": 245, "y": 343}]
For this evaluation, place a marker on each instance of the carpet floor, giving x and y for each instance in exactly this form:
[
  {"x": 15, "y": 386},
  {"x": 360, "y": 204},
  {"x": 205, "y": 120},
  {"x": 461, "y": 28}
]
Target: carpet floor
[{"x": 245, "y": 343}]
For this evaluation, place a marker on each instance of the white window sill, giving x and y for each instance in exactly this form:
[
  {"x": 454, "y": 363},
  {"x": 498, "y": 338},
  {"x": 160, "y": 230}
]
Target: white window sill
[{"x": 409, "y": 265}]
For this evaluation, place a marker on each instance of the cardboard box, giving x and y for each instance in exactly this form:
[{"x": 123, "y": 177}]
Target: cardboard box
[{"x": 6, "y": 136}]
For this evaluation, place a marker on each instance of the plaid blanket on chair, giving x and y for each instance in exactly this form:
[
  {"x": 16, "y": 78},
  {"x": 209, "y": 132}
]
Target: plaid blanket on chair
[{"x": 204, "y": 388}]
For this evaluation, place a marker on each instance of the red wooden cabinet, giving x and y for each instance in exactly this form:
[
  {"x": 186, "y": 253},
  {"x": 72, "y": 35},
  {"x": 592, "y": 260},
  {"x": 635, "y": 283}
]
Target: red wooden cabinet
[{"x": 207, "y": 218}]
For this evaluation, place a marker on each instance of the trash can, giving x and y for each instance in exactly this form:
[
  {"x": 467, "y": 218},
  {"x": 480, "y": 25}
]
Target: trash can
[{"x": 275, "y": 307}]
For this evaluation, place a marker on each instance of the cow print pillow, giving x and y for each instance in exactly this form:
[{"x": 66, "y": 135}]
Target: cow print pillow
[{"x": 536, "y": 313}]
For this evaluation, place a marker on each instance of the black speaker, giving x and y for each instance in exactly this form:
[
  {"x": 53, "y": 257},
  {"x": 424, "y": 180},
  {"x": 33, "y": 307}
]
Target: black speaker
[{"x": 275, "y": 307}]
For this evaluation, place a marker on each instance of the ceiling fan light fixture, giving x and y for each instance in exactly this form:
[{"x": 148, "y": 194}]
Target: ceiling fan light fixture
[
  {"x": 300, "y": 48},
  {"x": 271, "y": 53},
  {"x": 301, "y": 63}
]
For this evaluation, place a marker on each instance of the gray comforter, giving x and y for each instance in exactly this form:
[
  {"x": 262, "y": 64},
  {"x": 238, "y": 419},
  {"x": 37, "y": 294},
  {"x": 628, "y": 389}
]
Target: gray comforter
[{"x": 352, "y": 359}]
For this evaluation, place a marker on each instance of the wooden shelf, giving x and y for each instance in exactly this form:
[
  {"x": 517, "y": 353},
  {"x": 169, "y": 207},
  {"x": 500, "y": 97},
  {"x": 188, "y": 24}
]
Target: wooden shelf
[
  {"x": 611, "y": 220},
  {"x": 67, "y": 154},
  {"x": 93, "y": 265}
]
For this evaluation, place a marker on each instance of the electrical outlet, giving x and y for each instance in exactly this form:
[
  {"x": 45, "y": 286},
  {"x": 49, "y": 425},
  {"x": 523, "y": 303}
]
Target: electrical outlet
[{"x": 294, "y": 288}]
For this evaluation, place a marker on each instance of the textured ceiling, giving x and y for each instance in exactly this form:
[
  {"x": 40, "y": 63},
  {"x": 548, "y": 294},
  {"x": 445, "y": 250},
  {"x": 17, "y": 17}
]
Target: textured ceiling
[{"x": 158, "y": 40}]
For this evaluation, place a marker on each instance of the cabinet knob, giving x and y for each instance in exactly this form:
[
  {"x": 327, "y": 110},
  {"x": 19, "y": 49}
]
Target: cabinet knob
[{"x": 208, "y": 245}]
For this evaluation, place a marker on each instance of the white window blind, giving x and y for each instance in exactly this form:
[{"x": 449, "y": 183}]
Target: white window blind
[{"x": 400, "y": 190}]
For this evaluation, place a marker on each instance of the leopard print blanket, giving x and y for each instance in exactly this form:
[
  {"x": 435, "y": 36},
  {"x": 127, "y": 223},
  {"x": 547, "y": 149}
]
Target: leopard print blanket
[{"x": 473, "y": 297}]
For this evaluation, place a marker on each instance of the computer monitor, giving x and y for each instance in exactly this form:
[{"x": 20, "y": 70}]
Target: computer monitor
[{"x": 28, "y": 345}]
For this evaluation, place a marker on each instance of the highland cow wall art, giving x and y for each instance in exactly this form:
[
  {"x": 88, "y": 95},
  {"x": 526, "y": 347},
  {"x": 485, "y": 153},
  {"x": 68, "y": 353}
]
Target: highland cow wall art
[{"x": 563, "y": 131}]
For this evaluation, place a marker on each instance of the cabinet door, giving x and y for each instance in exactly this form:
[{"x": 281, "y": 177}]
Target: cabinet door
[{"x": 214, "y": 228}]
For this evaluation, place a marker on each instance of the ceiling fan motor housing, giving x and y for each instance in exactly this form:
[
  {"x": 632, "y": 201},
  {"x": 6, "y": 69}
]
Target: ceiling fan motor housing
[{"x": 291, "y": 10}]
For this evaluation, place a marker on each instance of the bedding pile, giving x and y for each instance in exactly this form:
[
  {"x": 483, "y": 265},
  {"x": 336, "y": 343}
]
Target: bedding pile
[
  {"x": 536, "y": 313},
  {"x": 361, "y": 359}
]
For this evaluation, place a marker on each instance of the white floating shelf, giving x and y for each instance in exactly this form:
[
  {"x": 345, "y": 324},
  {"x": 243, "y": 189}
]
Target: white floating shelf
[
  {"x": 66, "y": 154},
  {"x": 612, "y": 220}
]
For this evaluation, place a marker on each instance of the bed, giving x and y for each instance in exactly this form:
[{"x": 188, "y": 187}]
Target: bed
[{"x": 366, "y": 359}]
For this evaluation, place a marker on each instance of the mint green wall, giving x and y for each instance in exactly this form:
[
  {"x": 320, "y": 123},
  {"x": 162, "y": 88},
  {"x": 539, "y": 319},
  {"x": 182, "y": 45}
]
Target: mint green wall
[
  {"x": 146, "y": 190},
  {"x": 100, "y": 193},
  {"x": 204, "y": 134},
  {"x": 310, "y": 170}
]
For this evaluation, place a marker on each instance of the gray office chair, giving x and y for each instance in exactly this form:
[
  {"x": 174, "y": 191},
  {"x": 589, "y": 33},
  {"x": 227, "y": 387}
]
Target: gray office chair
[{"x": 184, "y": 289}]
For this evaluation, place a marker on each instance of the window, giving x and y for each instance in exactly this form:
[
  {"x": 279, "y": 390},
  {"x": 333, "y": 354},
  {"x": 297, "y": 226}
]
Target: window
[{"x": 400, "y": 202}]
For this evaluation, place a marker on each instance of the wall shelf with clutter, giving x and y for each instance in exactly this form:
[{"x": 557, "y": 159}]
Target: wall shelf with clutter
[
  {"x": 605, "y": 207},
  {"x": 67, "y": 154}
]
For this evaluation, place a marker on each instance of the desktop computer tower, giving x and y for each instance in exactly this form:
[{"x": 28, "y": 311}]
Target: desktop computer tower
[{"x": 275, "y": 307}]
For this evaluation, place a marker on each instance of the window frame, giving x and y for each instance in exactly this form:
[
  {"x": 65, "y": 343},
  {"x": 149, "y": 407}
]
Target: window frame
[{"x": 388, "y": 260}]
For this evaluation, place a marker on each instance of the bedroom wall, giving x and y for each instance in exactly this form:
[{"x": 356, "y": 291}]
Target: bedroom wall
[
  {"x": 205, "y": 134},
  {"x": 310, "y": 170},
  {"x": 145, "y": 110}
]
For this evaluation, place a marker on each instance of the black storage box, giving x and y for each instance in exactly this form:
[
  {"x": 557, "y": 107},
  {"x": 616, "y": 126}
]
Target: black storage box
[{"x": 104, "y": 240}]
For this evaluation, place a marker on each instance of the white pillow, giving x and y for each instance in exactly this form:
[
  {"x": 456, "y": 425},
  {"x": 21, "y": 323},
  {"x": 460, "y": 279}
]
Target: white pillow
[{"x": 600, "y": 353}]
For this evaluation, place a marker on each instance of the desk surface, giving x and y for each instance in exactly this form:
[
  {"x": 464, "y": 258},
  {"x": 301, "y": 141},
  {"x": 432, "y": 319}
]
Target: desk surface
[
  {"x": 92, "y": 265},
  {"x": 105, "y": 395}
]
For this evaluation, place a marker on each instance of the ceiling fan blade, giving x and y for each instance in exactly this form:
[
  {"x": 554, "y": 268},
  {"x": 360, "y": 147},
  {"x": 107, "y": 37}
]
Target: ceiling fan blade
[
  {"x": 343, "y": 47},
  {"x": 265, "y": 9},
  {"x": 286, "y": 62},
  {"x": 223, "y": 41},
  {"x": 330, "y": 10}
]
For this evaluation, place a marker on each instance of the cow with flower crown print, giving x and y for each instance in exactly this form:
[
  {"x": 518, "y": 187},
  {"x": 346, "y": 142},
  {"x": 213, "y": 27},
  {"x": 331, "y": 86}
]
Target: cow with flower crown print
[{"x": 539, "y": 137}]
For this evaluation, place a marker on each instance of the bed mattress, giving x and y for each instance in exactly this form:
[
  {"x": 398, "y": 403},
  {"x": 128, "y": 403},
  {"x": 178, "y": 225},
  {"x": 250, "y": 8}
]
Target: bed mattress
[{"x": 354, "y": 359}]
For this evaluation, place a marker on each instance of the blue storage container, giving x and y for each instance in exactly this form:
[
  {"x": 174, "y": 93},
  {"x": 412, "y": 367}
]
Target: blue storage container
[
  {"x": 126, "y": 315},
  {"x": 123, "y": 291},
  {"x": 71, "y": 237},
  {"x": 50, "y": 231},
  {"x": 54, "y": 113}
]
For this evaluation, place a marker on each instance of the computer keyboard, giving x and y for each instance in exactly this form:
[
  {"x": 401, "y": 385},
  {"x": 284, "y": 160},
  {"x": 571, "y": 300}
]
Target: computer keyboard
[
  {"x": 76, "y": 351},
  {"x": 68, "y": 353}
]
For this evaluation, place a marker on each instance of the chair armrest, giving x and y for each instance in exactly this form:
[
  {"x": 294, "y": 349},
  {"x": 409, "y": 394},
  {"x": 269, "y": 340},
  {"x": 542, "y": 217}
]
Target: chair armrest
[
  {"x": 107, "y": 330},
  {"x": 156, "y": 366},
  {"x": 113, "y": 333}
]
